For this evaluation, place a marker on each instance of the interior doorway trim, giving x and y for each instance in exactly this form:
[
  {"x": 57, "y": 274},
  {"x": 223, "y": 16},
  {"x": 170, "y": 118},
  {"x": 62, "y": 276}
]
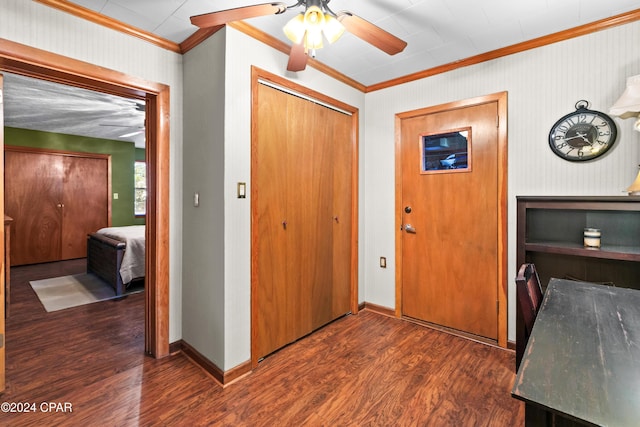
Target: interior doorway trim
[
  {"x": 501, "y": 99},
  {"x": 31, "y": 62}
]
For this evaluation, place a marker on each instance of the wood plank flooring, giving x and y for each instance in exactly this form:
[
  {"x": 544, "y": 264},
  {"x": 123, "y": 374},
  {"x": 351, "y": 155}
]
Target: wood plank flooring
[{"x": 362, "y": 370}]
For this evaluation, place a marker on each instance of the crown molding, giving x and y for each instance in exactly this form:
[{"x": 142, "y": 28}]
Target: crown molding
[
  {"x": 603, "y": 24},
  {"x": 114, "y": 24},
  {"x": 202, "y": 34}
]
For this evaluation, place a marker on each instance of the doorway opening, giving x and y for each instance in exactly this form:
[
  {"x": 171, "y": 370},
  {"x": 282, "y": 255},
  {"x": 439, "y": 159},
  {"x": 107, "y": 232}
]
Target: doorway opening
[{"x": 31, "y": 62}]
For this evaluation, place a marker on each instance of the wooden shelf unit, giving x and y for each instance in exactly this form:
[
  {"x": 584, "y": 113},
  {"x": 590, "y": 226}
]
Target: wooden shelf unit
[{"x": 550, "y": 234}]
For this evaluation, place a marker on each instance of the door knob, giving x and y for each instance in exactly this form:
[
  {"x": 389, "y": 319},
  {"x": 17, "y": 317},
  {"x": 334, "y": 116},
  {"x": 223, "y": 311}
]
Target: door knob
[{"x": 410, "y": 229}]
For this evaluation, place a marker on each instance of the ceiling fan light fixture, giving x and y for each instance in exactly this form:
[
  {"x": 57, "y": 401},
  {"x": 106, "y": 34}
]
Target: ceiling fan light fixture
[
  {"x": 314, "y": 18},
  {"x": 333, "y": 29},
  {"x": 310, "y": 27},
  {"x": 313, "y": 40},
  {"x": 295, "y": 29}
]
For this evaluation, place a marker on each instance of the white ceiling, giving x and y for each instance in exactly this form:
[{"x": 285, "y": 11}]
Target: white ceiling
[
  {"x": 438, "y": 32},
  {"x": 40, "y": 105}
]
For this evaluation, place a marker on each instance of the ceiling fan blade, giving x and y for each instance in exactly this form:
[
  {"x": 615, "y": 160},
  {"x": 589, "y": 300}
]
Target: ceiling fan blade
[
  {"x": 222, "y": 17},
  {"x": 297, "y": 58},
  {"x": 121, "y": 125},
  {"x": 370, "y": 33},
  {"x": 130, "y": 134}
]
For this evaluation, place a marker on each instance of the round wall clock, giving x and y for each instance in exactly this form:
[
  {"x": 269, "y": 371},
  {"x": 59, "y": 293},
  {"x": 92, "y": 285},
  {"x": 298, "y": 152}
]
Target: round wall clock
[{"x": 583, "y": 134}]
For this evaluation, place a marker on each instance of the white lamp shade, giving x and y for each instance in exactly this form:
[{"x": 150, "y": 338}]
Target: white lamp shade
[
  {"x": 629, "y": 103},
  {"x": 634, "y": 188}
]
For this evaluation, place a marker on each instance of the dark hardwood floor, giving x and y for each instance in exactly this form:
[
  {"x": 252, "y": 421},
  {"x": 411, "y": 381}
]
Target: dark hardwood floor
[{"x": 362, "y": 370}]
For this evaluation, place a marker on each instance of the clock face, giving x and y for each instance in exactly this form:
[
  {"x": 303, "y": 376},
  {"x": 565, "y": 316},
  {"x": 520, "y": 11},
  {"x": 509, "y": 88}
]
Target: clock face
[{"x": 582, "y": 135}]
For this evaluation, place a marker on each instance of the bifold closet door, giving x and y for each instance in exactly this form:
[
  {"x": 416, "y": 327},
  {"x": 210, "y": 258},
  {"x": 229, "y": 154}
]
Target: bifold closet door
[
  {"x": 309, "y": 208},
  {"x": 33, "y": 198},
  {"x": 303, "y": 217},
  {"x": 85, "y": 201},
  {"x": 55, "y": 199}
]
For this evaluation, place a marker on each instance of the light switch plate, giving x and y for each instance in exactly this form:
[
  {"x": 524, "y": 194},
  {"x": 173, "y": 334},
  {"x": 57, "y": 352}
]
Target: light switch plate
[{"x": 242, "y": 190}]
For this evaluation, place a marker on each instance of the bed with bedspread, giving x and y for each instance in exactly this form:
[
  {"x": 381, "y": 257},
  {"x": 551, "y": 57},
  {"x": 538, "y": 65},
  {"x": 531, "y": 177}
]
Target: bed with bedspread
[{"x": 117, "y": 254}]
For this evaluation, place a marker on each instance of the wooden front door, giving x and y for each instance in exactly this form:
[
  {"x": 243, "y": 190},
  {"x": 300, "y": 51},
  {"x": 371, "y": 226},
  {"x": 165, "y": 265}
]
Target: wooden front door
[
  {"x": 302, "y": 218},
  {"x": 449, "y": 203}
]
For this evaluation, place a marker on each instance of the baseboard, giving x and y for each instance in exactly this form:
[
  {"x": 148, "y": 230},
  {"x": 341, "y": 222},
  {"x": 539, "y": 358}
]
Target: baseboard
[
  {"x": 386, "y": 311},
  {"x": 222, "y": 377},
  {"x": 379, "y": 309},
  {"x": 175, "y": 347}
]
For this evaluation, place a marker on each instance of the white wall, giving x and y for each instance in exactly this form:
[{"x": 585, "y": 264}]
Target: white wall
[
  {"x": 242, "y": 52},
  {"x": 45, "y": 28},
  {"x": 543, "y": 85},
  {"x": 203, "y": 232}
]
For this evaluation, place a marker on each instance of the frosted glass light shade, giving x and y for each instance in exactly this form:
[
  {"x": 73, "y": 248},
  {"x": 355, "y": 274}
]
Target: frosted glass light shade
[
  {"x": 310, "y": 26},
  {"x": 295, "y": 29},
  {"x": 333, "y": 29}
]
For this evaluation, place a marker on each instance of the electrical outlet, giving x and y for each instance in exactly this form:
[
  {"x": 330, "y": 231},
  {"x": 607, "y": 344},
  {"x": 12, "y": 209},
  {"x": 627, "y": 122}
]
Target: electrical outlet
[{"x": 383, "y": 262}]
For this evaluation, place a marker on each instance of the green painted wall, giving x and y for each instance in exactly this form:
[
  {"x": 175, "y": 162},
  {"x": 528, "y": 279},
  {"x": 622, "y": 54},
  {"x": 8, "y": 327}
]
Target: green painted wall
[{"x": 123, "y": 156}]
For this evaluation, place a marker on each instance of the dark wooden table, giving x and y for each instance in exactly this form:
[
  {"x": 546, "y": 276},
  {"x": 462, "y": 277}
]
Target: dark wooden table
[{"x": 582, "y": 361}]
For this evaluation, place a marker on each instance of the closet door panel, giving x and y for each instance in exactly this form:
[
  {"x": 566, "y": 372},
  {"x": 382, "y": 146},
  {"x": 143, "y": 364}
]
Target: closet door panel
[
  {"x": 33, "y": 198},
  {"x": 310, "y": 207},
  {"x": 343, "y": 155},
  {"x": 85, "y": 202},
  {"x": 276, "y": 307}
]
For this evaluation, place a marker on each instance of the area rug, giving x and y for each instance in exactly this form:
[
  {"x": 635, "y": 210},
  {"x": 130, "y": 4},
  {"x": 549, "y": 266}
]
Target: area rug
[{"x": 59, "y": 293}]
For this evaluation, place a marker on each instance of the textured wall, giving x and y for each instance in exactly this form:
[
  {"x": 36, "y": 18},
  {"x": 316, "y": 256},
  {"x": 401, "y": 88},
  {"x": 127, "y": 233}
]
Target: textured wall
[
  {"x": 543, "y": 85},
  {"x": 203, "y": 236}
]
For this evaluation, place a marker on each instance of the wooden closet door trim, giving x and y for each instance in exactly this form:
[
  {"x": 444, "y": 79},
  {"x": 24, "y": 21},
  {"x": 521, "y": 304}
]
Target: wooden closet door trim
[{"x": 53, "y": 151}]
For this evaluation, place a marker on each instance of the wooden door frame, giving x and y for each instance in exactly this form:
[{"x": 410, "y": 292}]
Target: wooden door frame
[
  {"x": 259, "y": 74},
  {"x": 501, "y": 99},
  {"x": 31, "y": 62}
]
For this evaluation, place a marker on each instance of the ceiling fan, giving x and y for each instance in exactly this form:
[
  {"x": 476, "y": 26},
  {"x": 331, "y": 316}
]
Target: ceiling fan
[
  {"x": 139, "y": 129},
  {"x": 307, "y": 29},
  {"x": 130, "y": 117}
]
